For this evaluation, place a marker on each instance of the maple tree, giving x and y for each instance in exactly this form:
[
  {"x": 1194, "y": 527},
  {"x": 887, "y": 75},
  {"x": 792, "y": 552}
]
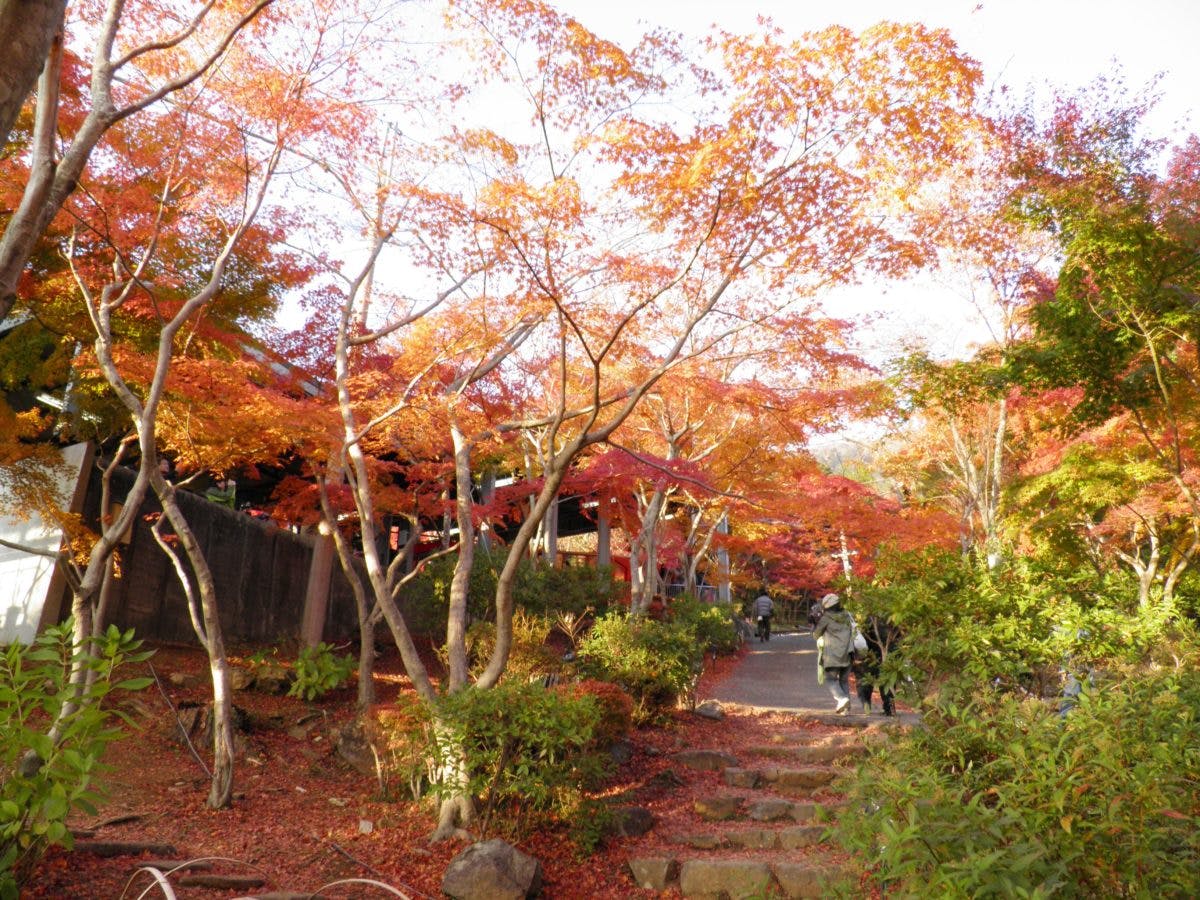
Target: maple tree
[
  {"x": 588, "y": 254},
  {"x": 1118, "y": 325},
  {"x": 164, "y": 247}
]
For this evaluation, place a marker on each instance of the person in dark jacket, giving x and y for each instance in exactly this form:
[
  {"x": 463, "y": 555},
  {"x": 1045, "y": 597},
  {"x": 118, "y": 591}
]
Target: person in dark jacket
[
  {"x": 881, "y": 637},
  {"x": 837, "y": 628}
]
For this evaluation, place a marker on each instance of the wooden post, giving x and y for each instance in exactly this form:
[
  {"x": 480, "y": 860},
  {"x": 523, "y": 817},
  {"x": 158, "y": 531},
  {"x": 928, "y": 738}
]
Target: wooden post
[
  {"x": 316, "y": 594},
  {"x": 723, "y": 595},
  {"x": 603, "y": 535}
]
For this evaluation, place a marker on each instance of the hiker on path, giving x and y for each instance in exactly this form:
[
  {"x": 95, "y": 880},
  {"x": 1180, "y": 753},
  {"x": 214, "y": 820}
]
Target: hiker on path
[
  {"x": 763, "y": 608},
  {"x": 837, "y": 628}
]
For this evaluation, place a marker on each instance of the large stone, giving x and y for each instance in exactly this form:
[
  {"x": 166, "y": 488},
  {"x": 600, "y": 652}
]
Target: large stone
[
  {"x": 801, "y": 881},
  {"x": 353, "y": 746},
  {"x": 753, "y": 839},
  {"x": 808, "y": 778},
  {"x": 717, "y": 809},
  {"x": 815, "y": 812},
  {"x": 711, "y": 879},
  {"x": 770, "y": 810},
  {"x": 621, "y": 752},
  {"x": 241, "y": 679},
  {"x": 701, "y": 840},
  {"x": 710, "y": 709},
  {"x": 654, "y": 873},
  {"x": 801, "y": 836},
  {"x": 492, "y": 870},
  {"x": 742, "y": 778},
  {"x": 705, "y": 760},
  {"x": 633, "y": 821}
]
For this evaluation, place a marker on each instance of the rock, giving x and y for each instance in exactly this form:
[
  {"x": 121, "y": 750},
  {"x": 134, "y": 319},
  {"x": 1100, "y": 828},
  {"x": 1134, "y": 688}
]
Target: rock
[
  {"x": 753, "y": 839},
  {"x": 621, "y": 752},
  {"x": 196, "y": 722},
  {"x": 654, "y": 873},
  {"x": 365, "y": 826},
  {"x": 710, "y": 709},
  {"x": 809, "y": 812},
  {"x": 241, "y": 679},
  {"x": 352, "y": 746},
  {"x": 181, "y": 679},
  {"x": 710, "y": 879},
  {"x": 770, "y": 810},
  {"x": 801, "y": 836},
  {"x": 741, "y": 778},
  {"x": 492, "y": 870},
  {"x": 806, "y": 779},
  {"x": 634, "y": 821},
  {"x": 701, "y": 840},
  {"x": 664, "y": 780},
  {"x": 273, "y": 679},
  {"x": 717, "y": 809},
  {"x": 124, "y": 848},
  {"x": 802, "y": 881},
  {"x": 175, "y": 865},
  {"x": 705, "y": 760}
]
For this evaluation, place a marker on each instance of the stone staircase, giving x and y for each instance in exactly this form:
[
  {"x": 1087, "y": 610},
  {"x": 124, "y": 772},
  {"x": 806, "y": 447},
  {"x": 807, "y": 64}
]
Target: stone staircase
[{"x": 758, "y": 821}]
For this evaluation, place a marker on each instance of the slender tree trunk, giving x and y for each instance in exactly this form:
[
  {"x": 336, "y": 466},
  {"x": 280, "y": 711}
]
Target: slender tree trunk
[{"x": 220, "y": 795}]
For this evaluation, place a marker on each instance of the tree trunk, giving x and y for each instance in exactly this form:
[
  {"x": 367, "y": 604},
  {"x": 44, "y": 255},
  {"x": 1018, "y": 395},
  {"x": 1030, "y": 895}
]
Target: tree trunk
[
  {"x": 27, "y": 27},
  {"x": 220, "y": 793}
]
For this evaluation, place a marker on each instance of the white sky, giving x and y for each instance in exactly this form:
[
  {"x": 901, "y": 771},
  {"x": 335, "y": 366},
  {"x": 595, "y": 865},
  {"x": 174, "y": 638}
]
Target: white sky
[{"x": 1025, "y": 44}]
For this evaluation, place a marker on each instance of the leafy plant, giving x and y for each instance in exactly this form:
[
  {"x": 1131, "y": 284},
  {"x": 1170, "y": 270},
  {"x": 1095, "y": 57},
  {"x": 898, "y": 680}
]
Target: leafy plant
[
  {"x": 1000, "y": 796},
  {"x": 527, "y": 751},
  {"x": 713, "y": 625},
  {"x": 655, "y": 662},
  {"x": 319, "y": 670},
  {"x": 45, "y": 775}
]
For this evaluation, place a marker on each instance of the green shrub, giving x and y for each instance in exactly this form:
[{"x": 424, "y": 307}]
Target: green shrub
[
  {"x": 655, "y": 662},
  {"x": 614, "y": 705},
  {"x": 319, "y": 670},
  {"x": 713, "y": 625},
  {"x": 527, "y": 752},
  {"x": 1000, "y": 796},
  {"x": 538, "y": 589},
  {"x": 35, "y": 800},
  {"x": 528, "y": 656}
]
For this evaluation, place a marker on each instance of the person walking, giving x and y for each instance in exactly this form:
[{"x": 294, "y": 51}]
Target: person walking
[
  {"x": 837, "y": 628},
  {"x": 764, "y": 608}
]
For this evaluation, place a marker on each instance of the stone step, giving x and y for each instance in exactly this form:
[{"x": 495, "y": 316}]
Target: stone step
[
  {"x": 799, "y": 781},
  {"x": 793, "y": 837},
  {"x": 712, "y": 879},
  {"x": 813, "y": 754},
  {"x": 725, "y": 807}
]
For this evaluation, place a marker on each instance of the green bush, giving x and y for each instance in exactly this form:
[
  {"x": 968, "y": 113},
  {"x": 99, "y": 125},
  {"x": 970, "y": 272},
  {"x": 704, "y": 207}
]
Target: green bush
[
  {"x": 527, "y": 751},
  {"x": 319, "y": 670},
  {"x": 528, "y": 656},
  {"x": 999, "y": 796},
  {"x": 713, "y": 625},
  {"x": 538, "y": 589},
  {"x": 655, "y": 662},
  {"x": 36, "y": 799}
]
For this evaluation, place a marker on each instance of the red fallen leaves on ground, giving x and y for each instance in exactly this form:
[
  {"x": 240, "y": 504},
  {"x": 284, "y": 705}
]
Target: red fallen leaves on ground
[{"x": 298, "y": 820}]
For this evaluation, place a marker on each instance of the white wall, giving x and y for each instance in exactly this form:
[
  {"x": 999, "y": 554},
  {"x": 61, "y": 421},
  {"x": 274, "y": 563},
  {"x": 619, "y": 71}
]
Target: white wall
[{"x": 26, "y": 579}]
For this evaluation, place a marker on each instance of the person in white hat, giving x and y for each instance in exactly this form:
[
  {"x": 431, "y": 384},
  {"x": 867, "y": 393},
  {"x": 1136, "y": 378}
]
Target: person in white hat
[{"x": 837, "y": 627}]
